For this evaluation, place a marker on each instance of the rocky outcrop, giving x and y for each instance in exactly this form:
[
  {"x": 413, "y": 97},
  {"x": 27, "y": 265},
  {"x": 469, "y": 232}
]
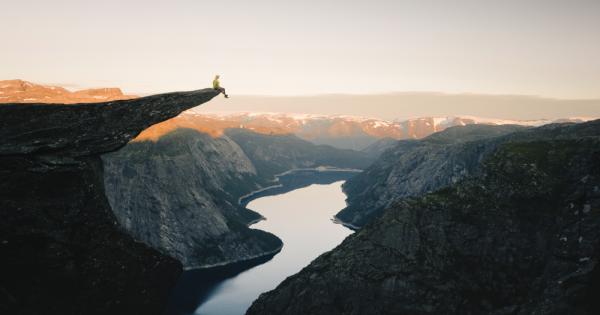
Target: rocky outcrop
[
  {"x": 62, "y": 250},
  {"x": 521, "y": 237},
  {"x": 181, "y": 193},
  {"x": 415, "y": 167}
]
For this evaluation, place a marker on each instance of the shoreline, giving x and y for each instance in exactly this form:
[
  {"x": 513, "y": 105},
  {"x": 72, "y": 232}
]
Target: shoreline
[
  {"x": 232, "y": 262},
  {"x": 350, "y": 226},
  {"x": 245, "y": 199},
  {"x": 249, "y": 197},
  {"x": 255, "y": 221}
]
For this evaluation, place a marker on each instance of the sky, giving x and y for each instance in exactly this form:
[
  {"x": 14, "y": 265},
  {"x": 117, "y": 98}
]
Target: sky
[{"x": 548, "y": 48}]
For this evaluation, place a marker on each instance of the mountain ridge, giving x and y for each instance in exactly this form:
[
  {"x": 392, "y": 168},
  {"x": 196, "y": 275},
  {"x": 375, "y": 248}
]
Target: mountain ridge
[
  {"x": 414, "y": 167},
  {"x": 341, "y": 131}
]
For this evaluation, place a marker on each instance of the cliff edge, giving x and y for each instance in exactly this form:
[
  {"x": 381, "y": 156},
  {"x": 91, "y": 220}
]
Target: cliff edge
[{"x": 62, "y": 249}]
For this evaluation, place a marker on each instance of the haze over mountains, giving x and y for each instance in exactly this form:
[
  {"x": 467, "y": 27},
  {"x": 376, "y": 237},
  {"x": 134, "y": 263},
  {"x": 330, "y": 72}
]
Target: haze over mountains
[
  {"x": 342, "y": 131},
  {"x": 346, "y": 132},
  {"x": 395, "y": 106},
  {"x": 19, "y": 91},
  {"x": 405, "y": 105}
]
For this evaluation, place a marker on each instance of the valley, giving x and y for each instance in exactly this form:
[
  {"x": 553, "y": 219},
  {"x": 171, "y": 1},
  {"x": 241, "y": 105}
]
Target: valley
[
  {"x": 300, "y": 157},
  {"x": 181, "y": 194},
  {"x": 527, "y": 220},
  {"x": 129, "y": 194}
]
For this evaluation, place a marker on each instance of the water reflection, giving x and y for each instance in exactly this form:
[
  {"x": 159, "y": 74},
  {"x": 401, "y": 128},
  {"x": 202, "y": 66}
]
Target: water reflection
[
  {"x": 300, "y": 217},
  {"x": 195, "y": 286}
]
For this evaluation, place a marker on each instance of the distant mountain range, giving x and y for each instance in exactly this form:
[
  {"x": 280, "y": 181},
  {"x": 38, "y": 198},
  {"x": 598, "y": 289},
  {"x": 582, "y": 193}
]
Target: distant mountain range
[
  {"x": 341, "y": 131},
  {"x": 404, "y": 105},
  {"x": 19, "y": 91},
  {"x": 346, "y": 132}
]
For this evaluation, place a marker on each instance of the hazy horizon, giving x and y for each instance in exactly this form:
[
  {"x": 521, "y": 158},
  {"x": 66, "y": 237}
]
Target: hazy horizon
[
  {"x": 404, "y": 105},
  {"x": 73, "y": 87}
]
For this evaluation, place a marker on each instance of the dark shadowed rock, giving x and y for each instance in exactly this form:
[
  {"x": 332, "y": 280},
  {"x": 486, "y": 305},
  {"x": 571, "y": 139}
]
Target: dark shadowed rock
[
  {"x": 414, "y": 167},
  {"x": 62, "y": 250},
  {"x": 520, "y": 237},
  {"x": 88, "y": 129},
  {"x": 180, "y": 196}
]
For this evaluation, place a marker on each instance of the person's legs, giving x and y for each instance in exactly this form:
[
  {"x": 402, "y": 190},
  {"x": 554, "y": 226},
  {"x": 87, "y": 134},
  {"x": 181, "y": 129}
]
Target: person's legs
[{"x": 224, "y": 93}]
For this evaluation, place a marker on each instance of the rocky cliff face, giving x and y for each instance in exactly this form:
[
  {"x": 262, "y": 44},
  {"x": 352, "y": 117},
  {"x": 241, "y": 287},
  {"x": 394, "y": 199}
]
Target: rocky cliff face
[
  {"x": 415, "y": 167},
  {"x": 180, "y": 193},
  {"x": 62, "y": 250},
  {"x": 521, "y": 237}
]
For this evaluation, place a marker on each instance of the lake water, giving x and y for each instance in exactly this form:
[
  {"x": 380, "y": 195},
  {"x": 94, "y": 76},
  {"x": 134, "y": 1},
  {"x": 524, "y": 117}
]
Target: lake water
[{"x": 302, "y": 219}]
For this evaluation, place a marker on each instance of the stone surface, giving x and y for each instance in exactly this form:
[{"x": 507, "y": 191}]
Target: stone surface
[
  {"x": 62, "y": 250},
  {"x": 511, "y": 239},
  {"x": 88, "y": 129}
]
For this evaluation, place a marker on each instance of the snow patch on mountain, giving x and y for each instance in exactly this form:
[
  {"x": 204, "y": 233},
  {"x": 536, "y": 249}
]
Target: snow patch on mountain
[{"x": 437, "y": 123}]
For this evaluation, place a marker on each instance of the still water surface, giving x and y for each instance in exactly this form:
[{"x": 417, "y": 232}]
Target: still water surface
[{"x": 302, "y": 219}]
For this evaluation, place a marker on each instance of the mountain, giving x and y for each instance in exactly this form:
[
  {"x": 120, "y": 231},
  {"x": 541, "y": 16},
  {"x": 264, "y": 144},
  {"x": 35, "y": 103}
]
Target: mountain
[
  {"x": 19, "y": 91},
  {"x": 415, "y": 167},
  {"x": 180, "y": 193},
  {"x": 376, "y": 148},
  {"x": 345, "y": 132},
  {"x": 522, "y": 236},
  {"x": 62, "y": 250}
]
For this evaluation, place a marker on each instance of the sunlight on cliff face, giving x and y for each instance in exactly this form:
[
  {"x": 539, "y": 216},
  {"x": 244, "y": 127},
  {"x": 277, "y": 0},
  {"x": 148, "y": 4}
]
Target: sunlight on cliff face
[{"x": 211, "y": 125}]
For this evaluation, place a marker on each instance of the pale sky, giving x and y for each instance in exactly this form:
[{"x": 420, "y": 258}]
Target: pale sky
[{"x": 274, "y": 47}]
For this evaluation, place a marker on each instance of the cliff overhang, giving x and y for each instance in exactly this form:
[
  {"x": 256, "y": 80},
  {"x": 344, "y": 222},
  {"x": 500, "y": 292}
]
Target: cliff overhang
[{"x": 62, "y": 250}]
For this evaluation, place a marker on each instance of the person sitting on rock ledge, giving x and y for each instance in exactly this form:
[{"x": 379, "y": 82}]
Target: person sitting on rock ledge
[{"x": 217, "y": 86}]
